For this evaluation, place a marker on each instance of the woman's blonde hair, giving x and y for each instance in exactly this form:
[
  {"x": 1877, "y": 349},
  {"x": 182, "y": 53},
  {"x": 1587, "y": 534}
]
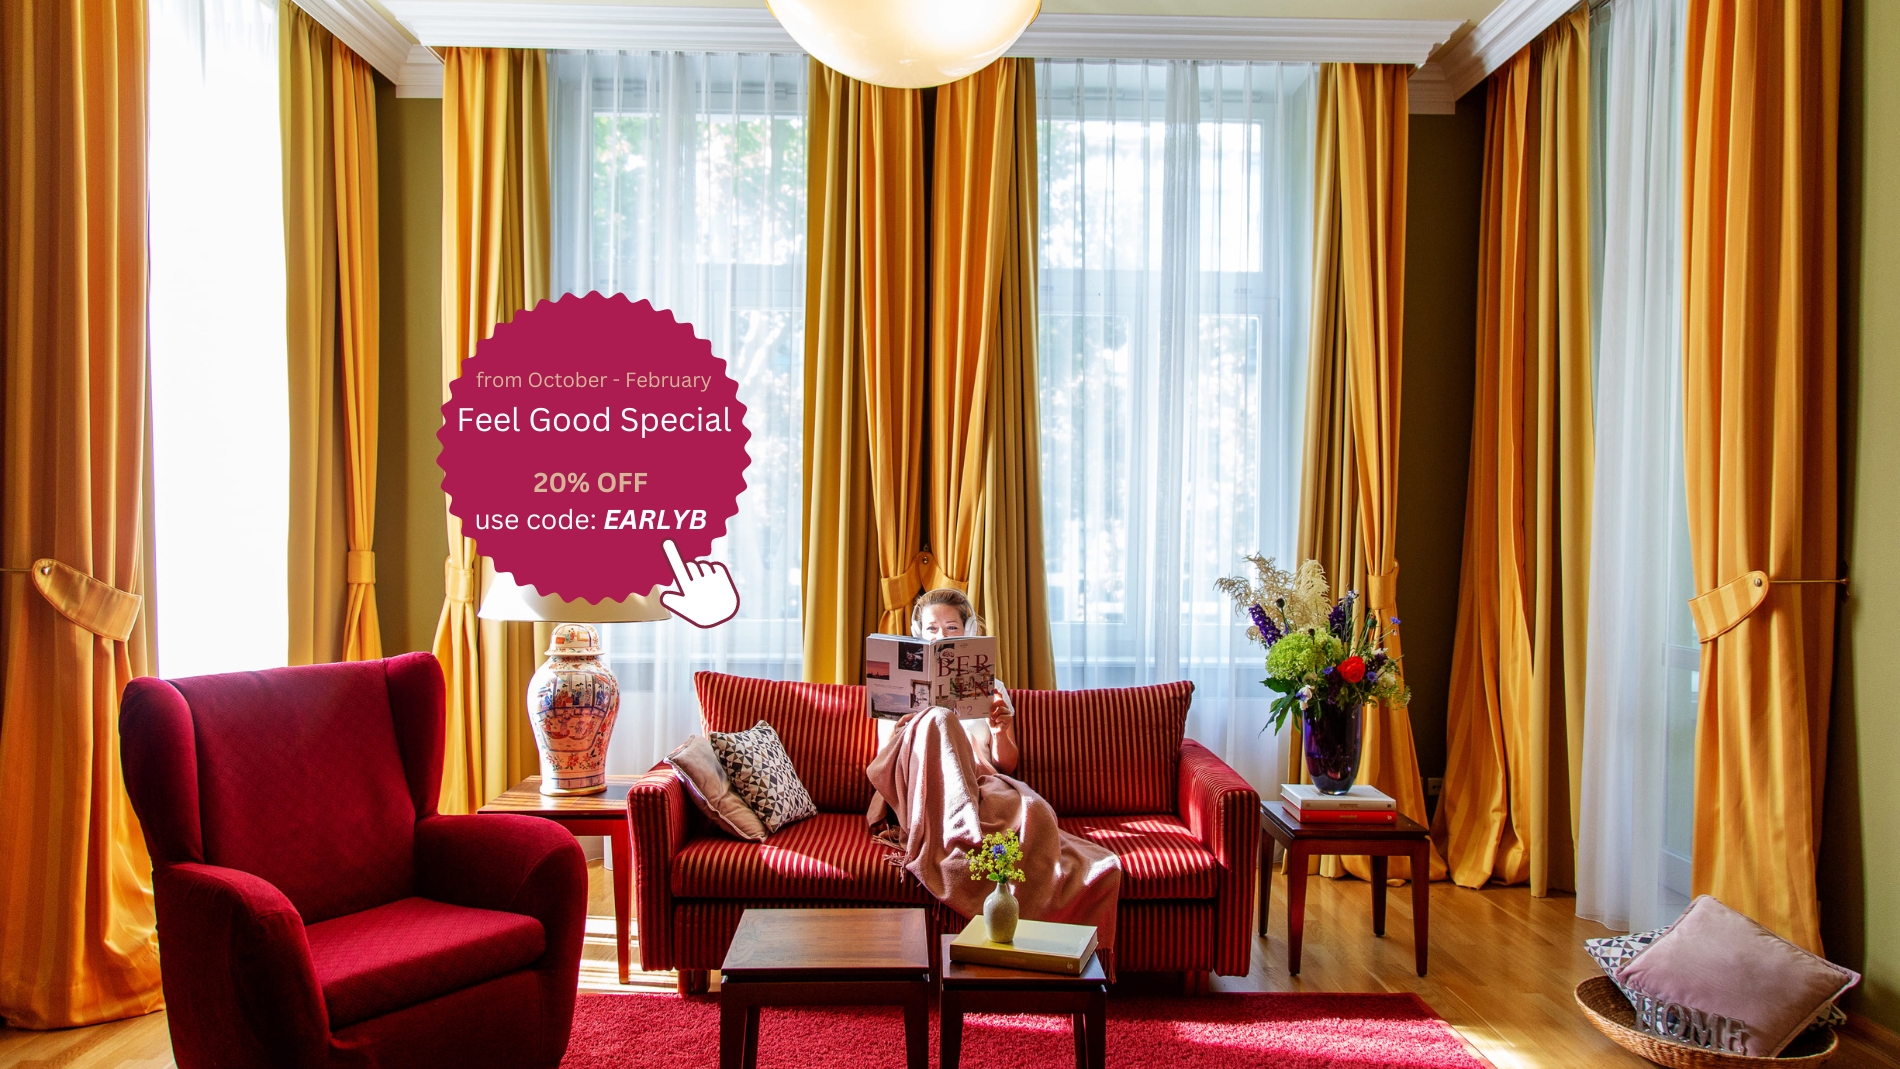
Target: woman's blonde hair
[{"x": 944, "y": 595}]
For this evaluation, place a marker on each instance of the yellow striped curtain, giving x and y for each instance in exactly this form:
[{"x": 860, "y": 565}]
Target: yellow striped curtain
[
  {"x": 495, "y": 262},
  {"x": 1349, "y": 483},
  {"x": 328, "y": 107},
  {"x": 1761, "y": 107},
  {"x": 864, "y": 376},
  {"x": 985, "y": 489},
  {"x": 1515, "y": 720},
  {"x": 77, "y": 934}
]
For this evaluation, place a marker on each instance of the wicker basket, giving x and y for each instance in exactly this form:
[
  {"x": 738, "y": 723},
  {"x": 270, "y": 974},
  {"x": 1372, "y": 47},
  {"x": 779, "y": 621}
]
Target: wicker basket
[{"x": 1611, "y": 1013}]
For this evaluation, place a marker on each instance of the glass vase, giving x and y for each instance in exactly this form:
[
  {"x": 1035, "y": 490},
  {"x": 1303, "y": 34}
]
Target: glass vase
[{"x": 1331, "y": 734}]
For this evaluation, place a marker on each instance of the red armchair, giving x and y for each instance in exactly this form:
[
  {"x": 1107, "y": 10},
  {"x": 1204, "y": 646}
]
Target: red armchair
[
  {"x": 314, "y": 911},
  {"x": 1113, "y": 763}
]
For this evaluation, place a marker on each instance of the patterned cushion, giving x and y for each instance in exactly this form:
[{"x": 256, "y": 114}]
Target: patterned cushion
[
  {"x": 1160, "y": 857},
  {"x": 762, "y": 775},
  {"x": 823, "y": 727},
  {"x": 1104, "y": 752},
  {"x": 830, "y": 857},
  {"x": 1613, "y": 952}
]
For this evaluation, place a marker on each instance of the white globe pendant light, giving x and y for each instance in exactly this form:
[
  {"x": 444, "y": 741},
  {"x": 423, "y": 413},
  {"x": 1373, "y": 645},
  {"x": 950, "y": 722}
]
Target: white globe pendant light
[{"x": 906, "y": 44}]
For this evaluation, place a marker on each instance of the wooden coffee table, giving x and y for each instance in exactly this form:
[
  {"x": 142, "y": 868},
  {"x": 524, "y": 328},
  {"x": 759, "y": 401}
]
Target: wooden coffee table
[
  {"x": 824, "y": 957},
  {"x": 991, "y": 989},
  {"x": 585, "y": 814},
  {"x": 1404, "y": 838}
]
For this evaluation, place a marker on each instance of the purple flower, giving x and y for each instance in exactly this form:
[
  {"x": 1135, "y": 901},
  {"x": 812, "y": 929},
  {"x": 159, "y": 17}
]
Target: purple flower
[
  {"x": 1395, "y": 621},
  {"x": 1339, "y": 621},
  {"x": 997, "y": 850},
  {"x": 1269, "y": 634}
]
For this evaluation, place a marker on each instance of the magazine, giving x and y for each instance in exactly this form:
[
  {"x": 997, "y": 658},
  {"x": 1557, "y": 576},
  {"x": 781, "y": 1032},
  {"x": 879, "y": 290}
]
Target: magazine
[{"x": 904, "y": 675}]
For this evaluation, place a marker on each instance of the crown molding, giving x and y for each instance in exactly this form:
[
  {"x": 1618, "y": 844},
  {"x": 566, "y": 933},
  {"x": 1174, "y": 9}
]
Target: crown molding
[
  {"x": 512, "y": 24},
  {"x": 515, "y": 24},
  {"x": 421, "y": 73},
  {"x": 1207, "y": 37},
  {"x": 1502, "y": 34},
  {"x": 368, "y": 32},
  {"x": 1428, "y": 94}
]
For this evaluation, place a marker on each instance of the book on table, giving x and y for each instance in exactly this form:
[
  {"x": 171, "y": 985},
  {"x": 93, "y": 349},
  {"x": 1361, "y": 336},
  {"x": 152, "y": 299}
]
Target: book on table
[
  {"x": 1360, "y": 805},
  {"x": 1039, "y": 946},
  {"x": 906, "y": 675}
]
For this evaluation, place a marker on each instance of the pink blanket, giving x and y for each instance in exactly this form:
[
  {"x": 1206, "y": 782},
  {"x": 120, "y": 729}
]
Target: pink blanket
[{"x": 945, "y": 802}]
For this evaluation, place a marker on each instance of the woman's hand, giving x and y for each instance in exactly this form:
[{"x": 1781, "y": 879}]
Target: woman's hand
[
  {"x": 1003, "y": 731},
  {"x": 1002, "y": 710}
]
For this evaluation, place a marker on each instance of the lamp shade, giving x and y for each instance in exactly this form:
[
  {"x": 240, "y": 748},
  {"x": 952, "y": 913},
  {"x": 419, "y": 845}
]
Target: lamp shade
[
  {"x": 905, "y": 44},
  {"x": 502, "y": 599}
]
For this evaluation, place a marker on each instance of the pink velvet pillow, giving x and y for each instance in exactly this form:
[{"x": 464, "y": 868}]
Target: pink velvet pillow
[{"x": 1719, "y": 980}]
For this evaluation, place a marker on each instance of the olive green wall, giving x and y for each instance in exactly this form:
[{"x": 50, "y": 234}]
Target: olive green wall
[
  {"x": 411, "y": 542},
  {"x": 1859, "y": 873},
  {"x": 1441, "y": 316}
]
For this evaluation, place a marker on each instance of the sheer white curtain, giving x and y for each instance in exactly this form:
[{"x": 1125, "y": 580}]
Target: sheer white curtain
[
  {"x": 220, "y": 380},
  {"x": 1639, "y": 691},
  {"x": 1176, "y": 212},
  {"x": 680, "y": 178}
]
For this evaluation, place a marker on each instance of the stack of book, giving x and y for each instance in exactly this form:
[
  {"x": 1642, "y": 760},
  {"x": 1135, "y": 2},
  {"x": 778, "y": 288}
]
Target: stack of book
[
  {"x": 1360, "y": 805},
  {"x": 1039, "y": 946}
]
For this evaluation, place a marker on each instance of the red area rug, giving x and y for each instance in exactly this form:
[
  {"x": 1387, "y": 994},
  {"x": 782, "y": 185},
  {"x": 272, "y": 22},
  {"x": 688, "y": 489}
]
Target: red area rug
[{"x": 1223, "y": 1031}]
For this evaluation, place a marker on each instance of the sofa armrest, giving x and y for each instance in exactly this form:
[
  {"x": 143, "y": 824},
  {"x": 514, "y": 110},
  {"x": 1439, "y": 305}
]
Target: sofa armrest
[
  {"x": 1222, "y": 810},
  {"x": 656, "y": 822},
  {"x": 232, "y": 949}
]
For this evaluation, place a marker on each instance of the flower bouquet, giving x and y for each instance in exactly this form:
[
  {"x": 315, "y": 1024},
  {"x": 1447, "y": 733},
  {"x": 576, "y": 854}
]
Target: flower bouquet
[
  {"x": 1325, "y": 658},
  {"x": 996, "y": 860}
]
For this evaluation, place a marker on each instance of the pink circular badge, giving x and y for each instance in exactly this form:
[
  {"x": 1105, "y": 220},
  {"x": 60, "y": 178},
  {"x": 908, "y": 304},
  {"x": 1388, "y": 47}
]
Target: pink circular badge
[{"x": 583, "y": 437}]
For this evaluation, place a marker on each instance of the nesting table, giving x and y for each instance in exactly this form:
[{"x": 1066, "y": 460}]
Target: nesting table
[
  {"x": 991, "y": 989},
  {"x": 1404, "y": 838},
  {"x": 824, "y": 957}
]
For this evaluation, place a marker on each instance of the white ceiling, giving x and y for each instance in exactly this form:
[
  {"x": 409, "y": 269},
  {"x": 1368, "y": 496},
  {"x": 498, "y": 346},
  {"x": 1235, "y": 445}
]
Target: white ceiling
[{"x": 1460, "y": 10}]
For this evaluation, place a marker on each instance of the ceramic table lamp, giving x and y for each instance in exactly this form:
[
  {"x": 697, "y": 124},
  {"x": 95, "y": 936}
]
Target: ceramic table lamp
[{"x": 573, "y": 697}]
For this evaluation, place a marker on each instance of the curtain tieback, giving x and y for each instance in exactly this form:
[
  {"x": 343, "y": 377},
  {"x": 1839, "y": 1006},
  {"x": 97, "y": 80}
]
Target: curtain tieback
[
  {"x": 1382, "y": 591},
  {"x": 99, "y": 607},
  {"x": 1719, "y": 611},
  {"x": 360, "y": 568},
  {"x": 922, "y": 574},
  {"x": 459, "y": 583}
]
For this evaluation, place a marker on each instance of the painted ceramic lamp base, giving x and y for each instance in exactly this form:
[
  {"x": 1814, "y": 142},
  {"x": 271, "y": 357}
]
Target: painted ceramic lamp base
[{"x": 572, "y": 701}]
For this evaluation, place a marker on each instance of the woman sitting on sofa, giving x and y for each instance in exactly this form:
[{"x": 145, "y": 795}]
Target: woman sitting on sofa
[{"x": 946, "y": 791}]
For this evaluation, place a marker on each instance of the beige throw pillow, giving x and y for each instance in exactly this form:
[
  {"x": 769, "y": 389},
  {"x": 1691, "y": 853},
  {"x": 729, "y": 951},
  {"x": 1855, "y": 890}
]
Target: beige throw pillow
[{"x": 707, "y": 784}]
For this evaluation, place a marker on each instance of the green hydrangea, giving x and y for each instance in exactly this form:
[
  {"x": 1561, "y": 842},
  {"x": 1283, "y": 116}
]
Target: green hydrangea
[{"x": 1303, "y": 654}]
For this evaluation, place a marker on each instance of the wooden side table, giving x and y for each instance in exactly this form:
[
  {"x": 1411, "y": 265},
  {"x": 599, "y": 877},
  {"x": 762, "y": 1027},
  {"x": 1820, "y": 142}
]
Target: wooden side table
[
  {"x": 586, "y": 814},
  {"x": 992, "y": 989},
  {"x": 1404, "y": 838},
  {"x": 824, "y": 957}
]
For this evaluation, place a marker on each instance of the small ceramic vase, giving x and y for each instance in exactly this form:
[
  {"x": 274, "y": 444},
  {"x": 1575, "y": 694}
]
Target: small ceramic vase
[
  {"x": 572, "y": 700},
  {"x": 1001, "y": 912}
]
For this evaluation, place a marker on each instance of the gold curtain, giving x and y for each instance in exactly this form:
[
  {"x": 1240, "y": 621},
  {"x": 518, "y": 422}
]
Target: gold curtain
[
  {"x": 1515, "y": 722},
  {"x": 1349, "y": 486},
  {"x": 327, "y": 102},
  {"x": 77, "y": 936},
  {"x": 1761, "y": 110},
  {"x": 495, "y": 262},
  {"x": 985, "y": 440},
  {"x": 864, "y": 375}
]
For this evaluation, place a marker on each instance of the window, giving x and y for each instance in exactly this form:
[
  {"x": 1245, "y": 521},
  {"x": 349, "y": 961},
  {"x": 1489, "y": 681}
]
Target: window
[
  {"x": 219, "y": 363},
  {"x": 1176, "y": 218},
  {"x": 680, "y": 178}
]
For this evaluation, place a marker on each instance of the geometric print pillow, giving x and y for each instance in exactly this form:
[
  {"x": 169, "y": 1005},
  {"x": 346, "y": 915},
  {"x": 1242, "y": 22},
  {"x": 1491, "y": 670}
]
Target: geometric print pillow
[
  {"x": 762, "y": 774},
  {"x": 1612, "y": 953}
]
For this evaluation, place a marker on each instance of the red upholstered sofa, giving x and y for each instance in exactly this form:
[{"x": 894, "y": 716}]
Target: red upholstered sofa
[
  {"x": 313, "y": 909},
  {"x": 1113, "y": 763}
]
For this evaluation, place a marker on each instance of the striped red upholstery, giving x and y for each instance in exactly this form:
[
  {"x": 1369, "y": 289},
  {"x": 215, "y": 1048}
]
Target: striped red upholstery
[
  {"x": 830, "y": 856},
  {"x": 1222, "y": 810},
  {"x": 1103, "y": 752},
  {"x": 1160, "y": 857},
  {"x": 1169, "y": 937},
  {"x": 823, "y": 726},
  {"x": 657, "y": 823}
]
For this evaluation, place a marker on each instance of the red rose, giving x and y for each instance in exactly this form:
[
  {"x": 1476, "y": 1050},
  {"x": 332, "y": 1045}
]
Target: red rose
[{"x": 1352, "y": 669}]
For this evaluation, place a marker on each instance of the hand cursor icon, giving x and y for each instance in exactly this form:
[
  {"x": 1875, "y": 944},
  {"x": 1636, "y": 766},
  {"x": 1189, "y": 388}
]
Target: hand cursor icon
[{"x": 702, "y": 593}]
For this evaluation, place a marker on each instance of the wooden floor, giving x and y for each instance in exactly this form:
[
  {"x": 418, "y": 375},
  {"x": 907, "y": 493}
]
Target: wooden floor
[{"x": 1503, "y": 965}]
